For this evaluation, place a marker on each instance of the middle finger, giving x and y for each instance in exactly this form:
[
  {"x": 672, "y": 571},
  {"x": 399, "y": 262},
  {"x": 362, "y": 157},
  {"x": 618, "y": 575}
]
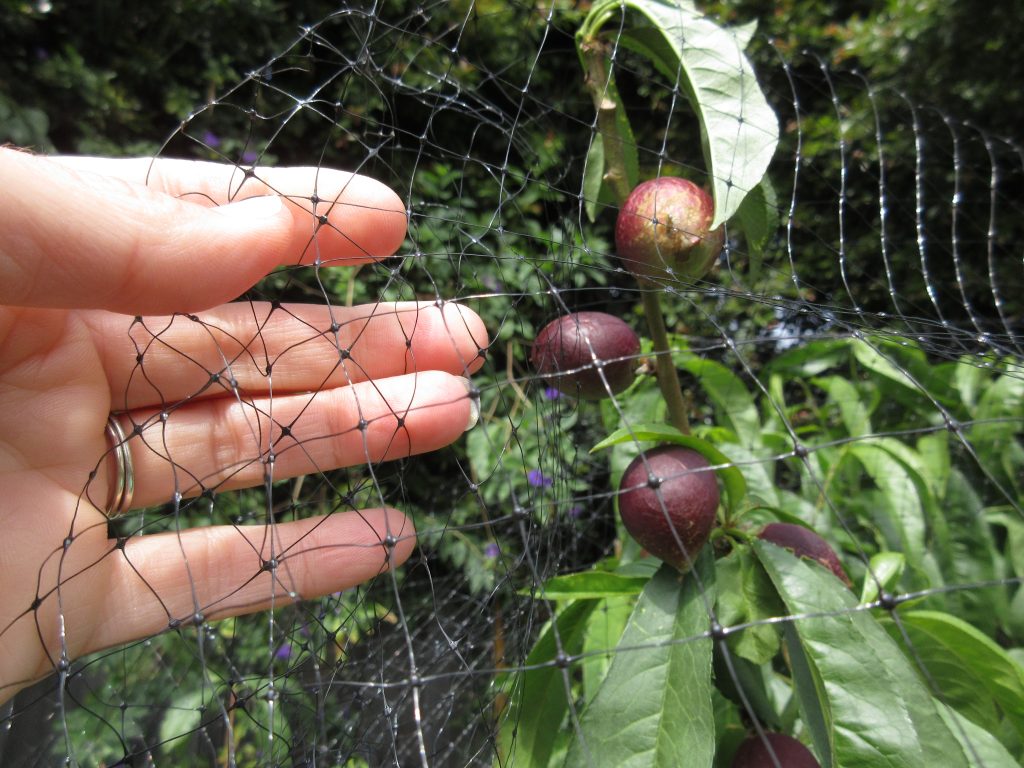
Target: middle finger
[{"x": 258, "y": 347}]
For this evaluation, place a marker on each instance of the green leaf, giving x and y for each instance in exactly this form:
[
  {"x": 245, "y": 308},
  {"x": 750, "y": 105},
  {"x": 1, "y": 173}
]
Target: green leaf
[
  {"x": 810, "y": 359},
  {"x": 1009, "y": 518},
  {"x": 933, "y": 450},
  {"x": 590, "y": 584},
  {"x": 540, "y": 696},
  {"x": 604, "y": 628},
  {"x": 184, "y": 717},
  {"x": 739, "y": 130},
  {"x": 734, "y": 406},
  {"x": 982, "y": 747},
  {"x": 593, "y": 176},
  {"x": 812, "y": 695},
  {"x": 758, "y": 472},
  {"x": 758, "y": 217},
  {"x": 744, "y": 683},
  {"x": 973, "y": 558},
  {"x": 746, "y": 595},
  {"x": 906, "y": 365},
  {"x": 732, "y": 478},
  {"x": 881, "y": 712},
  {"x": 973, "y": 674},
  {"x": 884, "y": 569},
  {"x": 744, "y": 33},
  {"x": 625, "y": 137},
  {"x": 845, "y": 395},
  {"x": 901, "y": 498},
  {"x": 654, "y": 708}
]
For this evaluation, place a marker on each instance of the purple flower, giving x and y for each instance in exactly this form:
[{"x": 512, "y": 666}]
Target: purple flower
[
  {"x": 551, "y": 393},
  {"x": 491, "y": 550},
  {"x": 284, "y": 652},
  {"x": 249, "y": 157},
  {"x": 537, "y": 479},
  {"x": 211, "y": 139},
  {"x": 575, "y": 512}
]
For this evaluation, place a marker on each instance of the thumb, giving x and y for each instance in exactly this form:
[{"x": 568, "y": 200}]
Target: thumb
[{"x": 74, "y": 239}]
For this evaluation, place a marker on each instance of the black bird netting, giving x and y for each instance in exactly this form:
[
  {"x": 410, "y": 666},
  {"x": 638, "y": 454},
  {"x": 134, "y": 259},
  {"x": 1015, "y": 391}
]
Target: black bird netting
[{"x": 851, "y": 364}]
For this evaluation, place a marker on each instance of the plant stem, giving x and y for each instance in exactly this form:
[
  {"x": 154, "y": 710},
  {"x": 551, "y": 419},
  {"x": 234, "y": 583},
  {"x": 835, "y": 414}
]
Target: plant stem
[
  {"x": 668, "y": 378},
  {"x": 594, "y": 54}
]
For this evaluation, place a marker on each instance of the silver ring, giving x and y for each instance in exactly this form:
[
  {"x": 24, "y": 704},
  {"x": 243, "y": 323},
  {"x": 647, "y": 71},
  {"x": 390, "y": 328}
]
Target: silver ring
[{"x": 122, "y": 482}]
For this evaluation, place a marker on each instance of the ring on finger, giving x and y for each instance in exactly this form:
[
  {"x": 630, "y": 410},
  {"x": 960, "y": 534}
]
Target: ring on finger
[{"x": 122, "y": 475}]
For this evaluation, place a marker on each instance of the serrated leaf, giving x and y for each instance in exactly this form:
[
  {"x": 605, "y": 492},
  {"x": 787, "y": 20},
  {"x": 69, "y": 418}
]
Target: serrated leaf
[
  {"x": 654, "y": 708},
  {"x": 739, "y": 130},
  {"x": 540, "y": 697},
  {"x": 881, "y": 712},
  {"x": 732, "y": 478},
  {"x": 590, "y": 584}
]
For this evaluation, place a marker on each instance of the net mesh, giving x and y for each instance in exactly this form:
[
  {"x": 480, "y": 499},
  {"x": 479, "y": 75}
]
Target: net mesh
[{"x": 894, "y": 263}]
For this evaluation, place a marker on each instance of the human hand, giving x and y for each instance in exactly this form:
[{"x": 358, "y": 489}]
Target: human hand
[{"x": 86, "y": 245}]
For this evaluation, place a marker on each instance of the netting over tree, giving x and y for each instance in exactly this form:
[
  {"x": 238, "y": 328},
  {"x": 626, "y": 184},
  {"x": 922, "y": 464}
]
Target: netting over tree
[{"x": 854, "y": 357}]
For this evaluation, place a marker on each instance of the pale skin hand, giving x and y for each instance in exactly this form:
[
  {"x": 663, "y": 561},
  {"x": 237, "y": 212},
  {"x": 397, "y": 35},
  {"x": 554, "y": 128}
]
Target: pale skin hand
[{"x": 85, "y": 245}]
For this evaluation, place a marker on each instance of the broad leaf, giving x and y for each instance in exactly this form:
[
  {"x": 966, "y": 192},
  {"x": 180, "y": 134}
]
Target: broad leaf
[
  {"x": 902, "y": 500},
  {"x": 881, "y": 712},
  {"x": 654, "y": 708},
  {"x": 812, "y": 695},
  {"x": 810, "y": 359},
  {"x": 591, "y": 584},
  {"x": 982, "y": 747},
  {"x": 739, "y": 130},
  {"x": 734, "y": 405},
  {"x": 540, "y": 694},
  {"x": 758, "y": 217},
  {"x": 907, "y": 366},
  {"x": 845, "y": 395},
  {"x": 746, "y": 595},
  {"x": 604, "y": 628},
  {"x": 973, "y": 674}
]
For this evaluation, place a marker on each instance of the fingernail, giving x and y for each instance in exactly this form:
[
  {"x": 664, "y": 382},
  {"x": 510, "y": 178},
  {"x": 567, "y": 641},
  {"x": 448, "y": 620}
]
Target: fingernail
[
  {"x": 252, "y": 208},
  {"x": 474, "y": 403}
]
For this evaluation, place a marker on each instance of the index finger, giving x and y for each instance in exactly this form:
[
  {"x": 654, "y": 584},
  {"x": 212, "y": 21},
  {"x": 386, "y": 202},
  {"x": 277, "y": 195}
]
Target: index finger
[
  {"x": 351, "y": 203},
  {"x": 155, "y": 237}
]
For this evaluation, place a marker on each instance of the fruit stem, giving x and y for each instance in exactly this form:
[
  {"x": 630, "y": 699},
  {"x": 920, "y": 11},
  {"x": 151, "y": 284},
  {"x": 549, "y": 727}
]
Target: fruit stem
[{"x": 668, "y": 378}]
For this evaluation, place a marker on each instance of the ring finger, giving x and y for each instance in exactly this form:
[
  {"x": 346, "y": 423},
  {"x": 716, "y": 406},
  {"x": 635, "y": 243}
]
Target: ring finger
[{"x": 224, "y": 443}]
